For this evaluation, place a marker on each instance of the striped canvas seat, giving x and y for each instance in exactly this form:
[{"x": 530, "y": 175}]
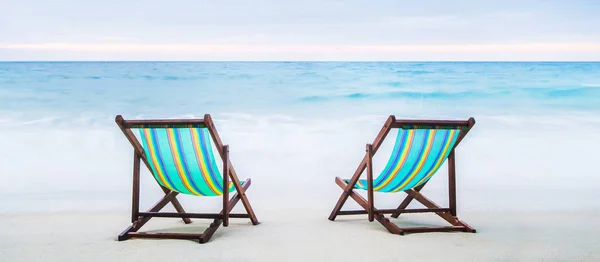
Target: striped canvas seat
[
  {"x": 182, "y": 160},
  {"x": 416, "y": 157}
]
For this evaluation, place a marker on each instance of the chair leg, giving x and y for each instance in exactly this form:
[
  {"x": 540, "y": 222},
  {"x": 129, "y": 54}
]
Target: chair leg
[
  {"x": 136, "y": 225},
  {"x": 457, "y": 225},
  {"x": 371, "y": 204},
  {"x": 177, "y": 206},
  {"x": 407, "y": 200},
  {"x": 230, "y": 205},
  {"x": 135, "y": 201},
  {"x": 340, "y": 203},
  {"x": 225, "y": 185},
  {"x": 132, "y": 230},
  {"x": 446, "y": 216},
  {"x": 242, "y": 193},
  {"x": 391, "y": 227},
  {"x": 347, "y": 189}
]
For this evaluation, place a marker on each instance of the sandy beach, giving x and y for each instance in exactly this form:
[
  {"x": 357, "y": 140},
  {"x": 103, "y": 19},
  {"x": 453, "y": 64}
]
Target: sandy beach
[
  {"x": 541, "y": 218},
  {"x": 304, "y": 236}
]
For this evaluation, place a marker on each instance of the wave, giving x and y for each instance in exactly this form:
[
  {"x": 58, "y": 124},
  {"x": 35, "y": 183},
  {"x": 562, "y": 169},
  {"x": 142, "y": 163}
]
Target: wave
[
  {"x": 523, "y": 93},
  {"x": 266, "y": 120},
  {"x": 414, "y": 72}
]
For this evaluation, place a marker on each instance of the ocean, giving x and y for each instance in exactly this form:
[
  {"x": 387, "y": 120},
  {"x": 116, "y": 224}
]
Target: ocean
[{"x": 294, "y": 126}]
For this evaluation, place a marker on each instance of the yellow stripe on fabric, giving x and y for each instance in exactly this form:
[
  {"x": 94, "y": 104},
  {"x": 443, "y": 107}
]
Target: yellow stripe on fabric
[
  {"x": 154, "y": 159},
  {"x": 359, "y": 184},
  {"x": 403, "y": 157},
  {"x": 177, "y": 159},
  {"x": 441, "y": 160},
  {"x": 202, "y": 163},
  {"x": 429, "y": 145}
]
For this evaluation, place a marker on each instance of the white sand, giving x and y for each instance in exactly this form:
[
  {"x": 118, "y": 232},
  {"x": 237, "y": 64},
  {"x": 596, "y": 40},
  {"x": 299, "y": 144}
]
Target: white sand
[{"x": 296, "y": 236}]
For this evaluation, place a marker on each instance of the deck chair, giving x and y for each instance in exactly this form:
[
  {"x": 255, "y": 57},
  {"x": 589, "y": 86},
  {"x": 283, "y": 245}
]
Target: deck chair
[
  {"x": 179, "y": 155},
  {"x": 421, "y": 148}
]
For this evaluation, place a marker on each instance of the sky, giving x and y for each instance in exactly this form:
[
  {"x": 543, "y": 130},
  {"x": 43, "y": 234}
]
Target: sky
[{"x": 376, "y": 30}]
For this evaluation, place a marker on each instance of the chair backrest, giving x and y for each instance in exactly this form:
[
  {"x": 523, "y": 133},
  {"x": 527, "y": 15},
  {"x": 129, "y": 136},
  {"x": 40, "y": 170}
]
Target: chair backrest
[
  {"x": 417, "y": 155},
  {"x": 181, "y": 159}
]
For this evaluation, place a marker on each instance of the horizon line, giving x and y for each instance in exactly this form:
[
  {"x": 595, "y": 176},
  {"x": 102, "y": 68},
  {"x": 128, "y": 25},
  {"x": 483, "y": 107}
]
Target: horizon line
[{"x": 300, "y": 61}]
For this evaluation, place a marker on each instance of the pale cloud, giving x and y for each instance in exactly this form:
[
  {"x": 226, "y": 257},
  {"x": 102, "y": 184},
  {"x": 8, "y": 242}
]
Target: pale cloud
[
  {"x": 511, "y": 15},
  {"x": 478, "y": 52},
  {"x": 531, "y": 47},
  {"x": 420, "y": 22},
  {"x": 118, "y": 38}
]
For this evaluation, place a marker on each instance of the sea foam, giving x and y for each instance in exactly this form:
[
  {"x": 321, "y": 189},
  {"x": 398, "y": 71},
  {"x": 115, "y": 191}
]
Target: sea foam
[{"x": 504, "y": 163}]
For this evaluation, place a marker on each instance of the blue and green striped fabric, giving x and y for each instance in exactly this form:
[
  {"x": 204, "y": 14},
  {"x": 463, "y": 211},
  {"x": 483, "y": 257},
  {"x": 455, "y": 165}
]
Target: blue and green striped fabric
[
  {"x": 181, "y": 159},
  {"x": 416, "y": 157}
]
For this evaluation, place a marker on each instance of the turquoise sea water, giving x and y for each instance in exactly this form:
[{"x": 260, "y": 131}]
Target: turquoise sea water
[
  {"x": 294, "y": 126},
  {"x": 161, "y": 88}
]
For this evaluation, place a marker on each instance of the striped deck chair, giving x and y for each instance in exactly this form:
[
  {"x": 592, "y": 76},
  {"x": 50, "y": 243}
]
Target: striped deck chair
[
  {"x": 421, "y": 147},
  {"x": 179, "y": 155}
]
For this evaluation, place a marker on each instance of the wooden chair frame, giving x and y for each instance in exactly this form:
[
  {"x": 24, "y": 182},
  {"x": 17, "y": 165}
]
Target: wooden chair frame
[
  {"x": 448, "y": 214},
  {"x": 138, "y": 219}
]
